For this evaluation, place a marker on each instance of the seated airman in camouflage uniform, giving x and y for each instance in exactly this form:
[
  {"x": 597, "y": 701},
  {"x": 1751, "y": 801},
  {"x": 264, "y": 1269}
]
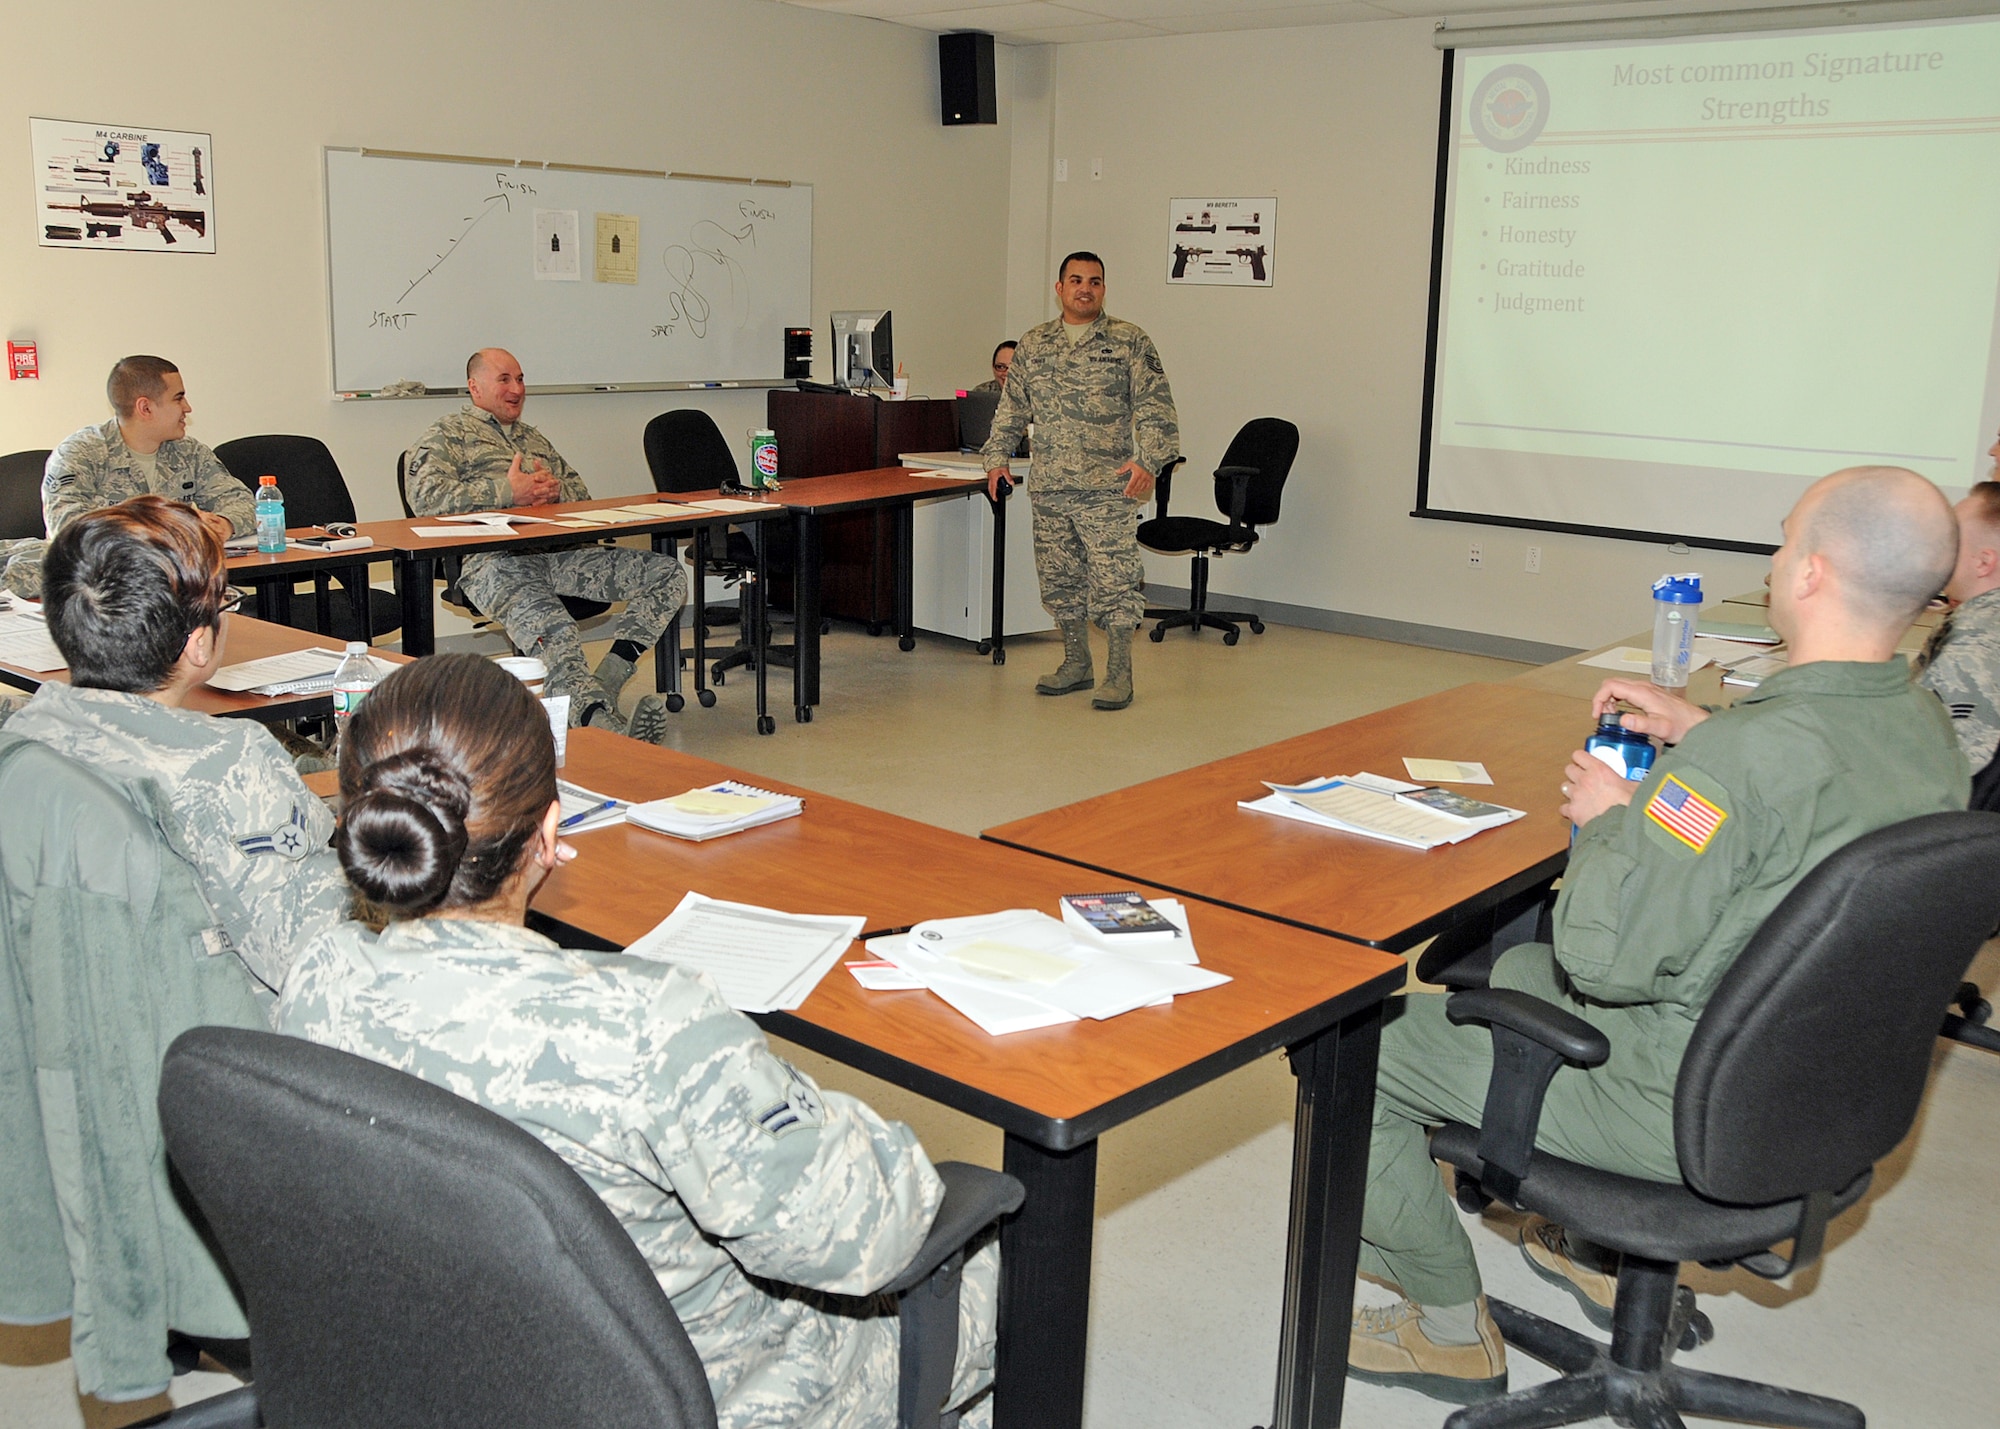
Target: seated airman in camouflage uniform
[
  {"x": 769, "y": 1209},
  {"x": 485, "y": 457},
  {"x": 136, "y": 597},
  {"x": 1961, "y": 660},
  {"x": 144, "y": 448},
  {"x": 1104, "y": 425}
]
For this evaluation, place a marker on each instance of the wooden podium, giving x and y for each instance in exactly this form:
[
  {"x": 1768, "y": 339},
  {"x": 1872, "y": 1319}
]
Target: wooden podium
[{"x": 825, "y": 433}]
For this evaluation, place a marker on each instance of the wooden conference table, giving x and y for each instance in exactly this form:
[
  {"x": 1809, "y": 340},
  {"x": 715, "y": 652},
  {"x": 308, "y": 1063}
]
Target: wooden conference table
[
  {"x": 416, "y": 557},
  {"x": 806, "y": 499},
  {"x": 1052, "y": 1091},
  {"x": 1184, "y": 832},
  {"x": 247, "y": 639}
]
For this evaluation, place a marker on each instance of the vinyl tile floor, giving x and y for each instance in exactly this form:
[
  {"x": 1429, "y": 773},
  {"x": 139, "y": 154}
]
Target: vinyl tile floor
[{"x": 1902, "y": 1316}]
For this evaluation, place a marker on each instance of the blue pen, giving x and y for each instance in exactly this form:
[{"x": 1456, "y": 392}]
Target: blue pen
[{"x": 592, "y": 812}]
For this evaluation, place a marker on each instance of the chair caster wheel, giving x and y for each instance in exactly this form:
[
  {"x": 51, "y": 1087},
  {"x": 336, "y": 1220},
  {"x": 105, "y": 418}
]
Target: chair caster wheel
[
  {"x": 1157, "y": 634},
  {"x": 1256, "y": 627},
  {"x": 675, "y": 704},
  {"x": 1470, "y": 1197},
  {"x": 1700, "y": 1330},
  {"x": 907, "y": 643},
  {"x": 999, "y": 657},
  {"x": 767, "y": 724},
  {"x": 1971, "y": 1006},
  {"x": 707, "y": 699},
  {"x": 984, "y": 647},
  {"x": 1230, "y": 637}
]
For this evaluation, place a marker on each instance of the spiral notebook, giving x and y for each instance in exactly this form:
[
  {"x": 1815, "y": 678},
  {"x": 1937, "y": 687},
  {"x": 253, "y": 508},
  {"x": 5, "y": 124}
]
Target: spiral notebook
[{"x": 717, "y": 809}]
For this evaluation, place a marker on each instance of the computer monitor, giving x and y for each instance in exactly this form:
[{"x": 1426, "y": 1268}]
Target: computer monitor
[{"x": 863, "y": 355}]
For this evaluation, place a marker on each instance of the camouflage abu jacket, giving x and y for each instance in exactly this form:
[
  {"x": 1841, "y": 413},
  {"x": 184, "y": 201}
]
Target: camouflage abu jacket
[
  {"x": 1096, "y": 403},
  {"x": 93, "y": 468}
]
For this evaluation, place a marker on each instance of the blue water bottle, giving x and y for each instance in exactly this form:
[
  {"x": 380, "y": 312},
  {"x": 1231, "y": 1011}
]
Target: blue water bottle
[
  {"x": 270, "y": 517},
  {"x": 1629, "y": 753}
]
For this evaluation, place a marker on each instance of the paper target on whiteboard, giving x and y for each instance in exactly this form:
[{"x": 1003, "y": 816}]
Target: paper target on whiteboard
[{"x": 1223, "y": 242}]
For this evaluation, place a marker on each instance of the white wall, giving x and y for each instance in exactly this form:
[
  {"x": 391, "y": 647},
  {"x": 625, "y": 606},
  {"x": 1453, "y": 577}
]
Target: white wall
[
  {"x": 1340, "y": 123},
  {"x": 908, "y": 214}
]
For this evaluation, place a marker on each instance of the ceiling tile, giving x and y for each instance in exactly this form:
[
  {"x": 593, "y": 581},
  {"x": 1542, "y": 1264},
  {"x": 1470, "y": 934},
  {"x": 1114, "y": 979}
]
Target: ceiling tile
[
  {"x": 999, "y": 19},
  {"x": 1077, "y": 34},
  {"x": 1269, "y": 17}
]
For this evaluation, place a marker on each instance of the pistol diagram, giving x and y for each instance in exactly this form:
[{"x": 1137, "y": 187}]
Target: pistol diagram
[{"x": 1222, "y": 242}]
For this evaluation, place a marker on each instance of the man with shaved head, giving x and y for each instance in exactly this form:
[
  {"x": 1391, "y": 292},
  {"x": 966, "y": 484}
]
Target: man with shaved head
[
  {"x": 1961, "y": 661},
  {"x": 484, "y": 457},
  {"x": 1667, "y": 882}
]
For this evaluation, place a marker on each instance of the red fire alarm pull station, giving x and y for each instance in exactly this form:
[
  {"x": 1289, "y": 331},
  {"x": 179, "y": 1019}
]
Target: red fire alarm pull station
[{"x": 22, "y": 364}]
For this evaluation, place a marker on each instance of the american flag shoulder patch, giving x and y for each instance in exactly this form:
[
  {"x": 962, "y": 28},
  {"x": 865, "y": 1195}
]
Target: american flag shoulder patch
[{"x": 1685, "y": 814}]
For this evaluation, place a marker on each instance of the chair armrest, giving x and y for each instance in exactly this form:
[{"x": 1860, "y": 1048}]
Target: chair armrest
[
  {"x": 235, "y": 1409},
  {"x": 1163, "y": 486},
  {"x": 1531, "y": 1041},
  {"x": 1543, "y": 1022},
  {"x": 1238, "y": 478},
  {"x": 974, "y": 1198}
]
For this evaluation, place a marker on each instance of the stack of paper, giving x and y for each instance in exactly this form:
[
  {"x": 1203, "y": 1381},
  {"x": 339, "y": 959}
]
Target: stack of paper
[
  {"x": 1012, "y": 971},
  {"x": 296, "y": 672},
  {"x": 724, "y": 808},
  {"x": 732, "y": 505},
  {"x": 1754, "y": 670},
  {"x": 1126, "y": 923},
  {"x": 24, "y": 638},
  {"x": 1379, "y": 808},
  {"x": 760, "y": 960}
]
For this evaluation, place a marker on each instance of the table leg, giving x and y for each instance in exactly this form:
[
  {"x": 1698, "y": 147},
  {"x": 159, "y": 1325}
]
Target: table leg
[
  {"x": 906, "y": 616},
  {"x": 999, "y": 583},
  {"x": 413, "y": 579},
  {"x": 805, "y": 613},
  {"x": 667, "y": 649},
  {"x": 1336, "y": 1104},
  {"x": 759, "y": 635},
  {"x": 1045, "y": 1287},
  {"x": 274, "y": 601},
  {"x": 699, "y": 604}
]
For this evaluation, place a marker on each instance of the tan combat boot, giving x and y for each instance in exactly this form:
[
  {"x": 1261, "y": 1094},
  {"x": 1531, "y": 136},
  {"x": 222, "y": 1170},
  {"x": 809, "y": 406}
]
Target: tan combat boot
[
  {"x": 1116, "y": 691},
  {"x": 1546, "y": 1249},
  {"x": 1387, "y": 1345},
  {"x": 1075, "y": 672}
]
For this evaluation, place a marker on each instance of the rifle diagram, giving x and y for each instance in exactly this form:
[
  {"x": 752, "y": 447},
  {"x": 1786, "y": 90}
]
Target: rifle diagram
[
  {"x": 1222, "y": 242},
  {"x": 108, "y": 187}
]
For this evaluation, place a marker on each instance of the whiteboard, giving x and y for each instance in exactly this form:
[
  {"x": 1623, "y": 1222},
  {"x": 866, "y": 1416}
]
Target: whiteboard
[{"x": 430, "y": 258}]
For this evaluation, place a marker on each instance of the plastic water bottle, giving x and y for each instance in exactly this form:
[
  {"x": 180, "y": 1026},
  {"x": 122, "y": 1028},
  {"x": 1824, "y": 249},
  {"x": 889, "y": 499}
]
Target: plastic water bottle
[
  {"x": 270, "y": 517},
  {"x": 1676, "y": 602},
  {"x": 1629, "y": 754},
  {"x": 353, "y": 678}
]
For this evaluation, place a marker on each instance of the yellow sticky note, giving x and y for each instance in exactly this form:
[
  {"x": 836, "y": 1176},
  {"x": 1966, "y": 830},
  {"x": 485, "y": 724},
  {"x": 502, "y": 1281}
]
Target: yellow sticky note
[
  {"x": 1446, "y": 771},
  {"x": 708, "y": 804},
  {"x": 1004, "y": 960}
]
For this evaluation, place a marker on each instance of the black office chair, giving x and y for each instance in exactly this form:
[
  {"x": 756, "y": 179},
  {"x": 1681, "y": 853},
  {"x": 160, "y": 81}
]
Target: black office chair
[
  {"x": 686, "y": 451},
  {"x": 409, "y": 1258},
  {"x": 1968, "y": 1023},
  {"x": 1806, "y": 1068},
  {"x": 315, "y": 494},
  {"x": 1248, "y": 488},
  {"x": 21, "y": 494},
  {"x": 579, "y": 607}
]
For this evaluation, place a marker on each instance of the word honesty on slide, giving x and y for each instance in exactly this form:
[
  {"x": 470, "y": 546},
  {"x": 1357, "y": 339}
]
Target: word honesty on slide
[{"x": 1679, "y": 280}]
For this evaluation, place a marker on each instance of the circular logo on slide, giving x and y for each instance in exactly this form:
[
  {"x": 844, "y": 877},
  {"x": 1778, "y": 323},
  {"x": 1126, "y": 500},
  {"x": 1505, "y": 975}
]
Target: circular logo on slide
[{"x": 1509, "y": 108}]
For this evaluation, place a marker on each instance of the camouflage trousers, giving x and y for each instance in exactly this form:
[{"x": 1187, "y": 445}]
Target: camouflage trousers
[
  {"x": 521, "y": 593},
  {"x": 1087, "y": 555},
  {"x": 21, "y": 566},
  {"x": 847, "y": 1377}
]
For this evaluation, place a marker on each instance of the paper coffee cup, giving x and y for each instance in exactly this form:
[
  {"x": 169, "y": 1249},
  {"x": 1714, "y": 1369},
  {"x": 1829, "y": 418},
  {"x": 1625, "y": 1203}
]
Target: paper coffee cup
[
  {"x": 902, "y": 388},
  {"x": 527, "y": 669}
]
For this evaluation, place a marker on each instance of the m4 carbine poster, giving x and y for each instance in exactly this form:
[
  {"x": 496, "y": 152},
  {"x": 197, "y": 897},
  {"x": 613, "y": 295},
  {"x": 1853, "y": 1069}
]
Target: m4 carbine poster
[
  {"x": 1223, "y": 242},
  {"x": 117, "y": 186}
]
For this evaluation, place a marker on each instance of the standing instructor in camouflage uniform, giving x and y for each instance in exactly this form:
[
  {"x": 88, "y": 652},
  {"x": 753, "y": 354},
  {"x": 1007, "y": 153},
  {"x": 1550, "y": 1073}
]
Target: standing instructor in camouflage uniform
[
  {"x": 485, "y": 456},
  {"x": 1104, "y": 425}
]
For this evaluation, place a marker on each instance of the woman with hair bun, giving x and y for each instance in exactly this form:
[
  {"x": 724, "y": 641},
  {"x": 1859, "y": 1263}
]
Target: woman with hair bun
[{"x": 746, "y": 1186}]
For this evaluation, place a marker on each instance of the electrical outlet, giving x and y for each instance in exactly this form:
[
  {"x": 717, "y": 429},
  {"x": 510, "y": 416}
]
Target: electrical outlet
[
  {"x": 1062, "y": 171},
  {"x": 1475, "y": 555},
  {"x": 1533, "y": 564},
  {"x": 1097, "y": 168}
]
